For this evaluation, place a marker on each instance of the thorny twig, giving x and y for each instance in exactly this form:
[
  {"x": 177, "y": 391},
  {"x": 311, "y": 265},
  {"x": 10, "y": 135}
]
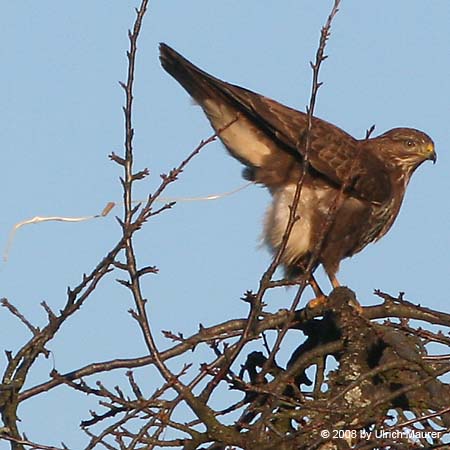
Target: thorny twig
[
  {"x": 320, "y": 57},
  {"x": 256, "y": 302},
  {"x": 277, "y": 410}
]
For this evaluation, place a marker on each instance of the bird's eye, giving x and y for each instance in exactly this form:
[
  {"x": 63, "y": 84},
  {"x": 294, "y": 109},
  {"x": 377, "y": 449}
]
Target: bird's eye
[{"x": 410, "y": 143}]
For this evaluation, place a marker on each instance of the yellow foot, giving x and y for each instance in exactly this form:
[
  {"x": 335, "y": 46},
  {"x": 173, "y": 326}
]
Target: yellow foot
[
  {"x": 356, "y": 306},
  {"x": 321, "y": 300}
]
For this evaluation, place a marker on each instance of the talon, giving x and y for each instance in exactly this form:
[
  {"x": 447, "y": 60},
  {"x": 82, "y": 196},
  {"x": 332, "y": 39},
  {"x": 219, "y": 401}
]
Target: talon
[
  {"x": 318, "y": 301},
  {"x": 356, "y": 306}
]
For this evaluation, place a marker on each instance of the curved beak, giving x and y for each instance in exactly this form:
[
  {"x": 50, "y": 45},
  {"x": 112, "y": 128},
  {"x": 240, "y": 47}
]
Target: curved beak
[{"x": 431, "y": 153}]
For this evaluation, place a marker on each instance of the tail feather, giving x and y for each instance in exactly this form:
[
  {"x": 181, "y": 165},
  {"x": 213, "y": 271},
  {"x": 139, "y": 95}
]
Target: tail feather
[
  {"x": 197, "y": 83},
  {"x": 223, "y": 103}
]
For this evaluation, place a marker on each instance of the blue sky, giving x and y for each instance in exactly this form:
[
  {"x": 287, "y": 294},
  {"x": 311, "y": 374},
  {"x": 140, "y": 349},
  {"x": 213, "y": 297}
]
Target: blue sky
[{"x": 388, "y": 65}]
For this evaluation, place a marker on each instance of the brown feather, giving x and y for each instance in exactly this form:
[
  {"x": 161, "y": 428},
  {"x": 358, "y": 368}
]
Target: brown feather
[{"x": 268, "y": 138}]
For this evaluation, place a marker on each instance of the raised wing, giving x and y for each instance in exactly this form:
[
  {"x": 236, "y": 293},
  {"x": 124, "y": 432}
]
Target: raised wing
[{"x": 265, "y": 126}]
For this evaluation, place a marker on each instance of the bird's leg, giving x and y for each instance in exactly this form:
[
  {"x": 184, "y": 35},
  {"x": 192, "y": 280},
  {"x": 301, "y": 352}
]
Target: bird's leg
[
  {"x": 315, "y": 286},
  {"x": 321, "y": 298},
  {"x": 334, "y": 281}
]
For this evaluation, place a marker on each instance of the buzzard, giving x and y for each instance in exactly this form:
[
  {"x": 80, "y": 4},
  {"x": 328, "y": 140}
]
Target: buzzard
[{"x": 362, "y": 182}]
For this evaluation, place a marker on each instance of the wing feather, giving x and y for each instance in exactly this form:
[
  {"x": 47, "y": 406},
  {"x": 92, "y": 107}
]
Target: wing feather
[{"x": 334, "y": 154}]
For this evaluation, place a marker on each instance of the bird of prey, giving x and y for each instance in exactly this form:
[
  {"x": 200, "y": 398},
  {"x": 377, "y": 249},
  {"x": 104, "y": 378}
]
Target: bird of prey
[{"x": 361, "y": 182}]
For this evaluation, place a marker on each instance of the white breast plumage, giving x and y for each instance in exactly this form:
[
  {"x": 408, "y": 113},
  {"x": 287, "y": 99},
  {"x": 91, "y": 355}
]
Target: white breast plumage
[{"x": 300, "y": 239}]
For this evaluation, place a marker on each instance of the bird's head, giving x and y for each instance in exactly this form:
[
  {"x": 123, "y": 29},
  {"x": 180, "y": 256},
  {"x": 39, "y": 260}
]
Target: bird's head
[{"x": 406, "y": 148}]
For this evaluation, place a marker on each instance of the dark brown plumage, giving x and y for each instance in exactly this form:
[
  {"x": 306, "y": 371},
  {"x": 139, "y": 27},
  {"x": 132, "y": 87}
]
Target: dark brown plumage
[{"x": 268, "y": 138}]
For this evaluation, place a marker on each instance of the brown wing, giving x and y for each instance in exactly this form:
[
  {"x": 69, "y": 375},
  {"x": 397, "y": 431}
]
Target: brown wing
[{"x": 334, "y": 154}]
